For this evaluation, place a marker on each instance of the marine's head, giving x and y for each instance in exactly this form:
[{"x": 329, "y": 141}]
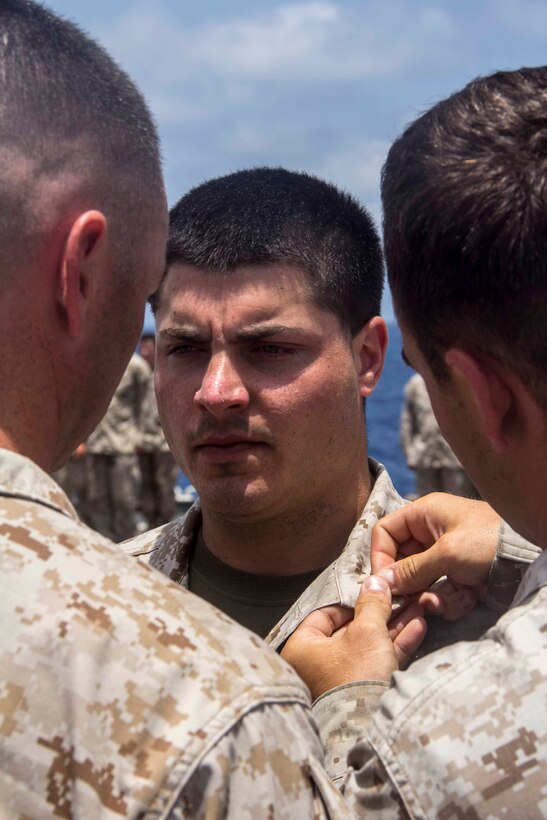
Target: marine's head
[
  {"x": 82, "y": 221},
  {"x": 268, "y": 339},
  {"x": 464, "y": 192}
]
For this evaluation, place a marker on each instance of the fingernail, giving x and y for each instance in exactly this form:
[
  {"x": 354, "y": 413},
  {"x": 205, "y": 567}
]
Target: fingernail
[
  {"x": 389, "y": 575},
  {"x": 375, "y": 583}
]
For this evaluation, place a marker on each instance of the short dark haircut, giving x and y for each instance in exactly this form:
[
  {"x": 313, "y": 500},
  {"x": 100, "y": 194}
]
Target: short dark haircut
[
  {"x": 464, "y": 193},
  {"x": 264, "y": 216},
  {"x": 66, "y": 108}
]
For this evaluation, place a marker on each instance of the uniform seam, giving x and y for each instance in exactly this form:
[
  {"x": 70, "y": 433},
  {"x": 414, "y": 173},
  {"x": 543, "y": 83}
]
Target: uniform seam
[{"x": 260, "y": 698}]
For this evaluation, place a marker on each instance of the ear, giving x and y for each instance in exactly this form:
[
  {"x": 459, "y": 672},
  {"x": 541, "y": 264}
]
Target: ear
[
  {"x": 369, "y": 351},
  {"x": 85, "y": 253},
  {"x": 490, "y": 392}
]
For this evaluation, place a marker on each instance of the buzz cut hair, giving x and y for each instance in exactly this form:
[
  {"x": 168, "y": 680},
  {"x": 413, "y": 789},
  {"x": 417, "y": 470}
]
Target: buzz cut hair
[{"x": 267, "y": 216}]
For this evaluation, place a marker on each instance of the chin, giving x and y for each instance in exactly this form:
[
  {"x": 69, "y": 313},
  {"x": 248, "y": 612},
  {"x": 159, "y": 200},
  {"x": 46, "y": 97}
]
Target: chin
[{"x": 234, "y": 497}]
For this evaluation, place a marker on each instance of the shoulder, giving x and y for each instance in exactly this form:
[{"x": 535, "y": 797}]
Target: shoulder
[
  {"x": 144, "y": 545},
  {"x": 76, "y": 561},
  {"x": 136, "y": 372},
  {"x": 167, "y": 548},
  {"x": 453, "y": 718},
  {"x": 413, "y": 387},
  {"x": 139, "y": 366},
  {"x": 132, "y": 671}
]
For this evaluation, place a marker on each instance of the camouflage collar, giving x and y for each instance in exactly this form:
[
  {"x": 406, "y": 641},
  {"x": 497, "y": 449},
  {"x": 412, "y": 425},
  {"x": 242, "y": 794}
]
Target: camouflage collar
[
  {"x": 167, "y": 549},
  {"x": 340, "y": 582},
  {"x": 22, "y": 478}
]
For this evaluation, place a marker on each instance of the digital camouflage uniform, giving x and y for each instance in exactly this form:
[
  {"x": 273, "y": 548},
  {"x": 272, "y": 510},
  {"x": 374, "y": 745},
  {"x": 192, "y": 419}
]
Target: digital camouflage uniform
[
  {"x": 426, "y": 451},
  {"x": 157, "y": 465},
  {"x": 463, "y": 734},
  {"x": 404, "y": 766},
  {"x": 112, "y": 466},
  {"x": 123, "y": 695},
  {"x": 168, "y": 550}
]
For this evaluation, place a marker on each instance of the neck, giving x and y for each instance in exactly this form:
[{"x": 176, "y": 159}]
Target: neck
[
  {"x": 19, "y": 439},
  {"x": 29, "y": 413},
  {"x": 27, "y": 410},
  {"x": 302, "y": 540}
]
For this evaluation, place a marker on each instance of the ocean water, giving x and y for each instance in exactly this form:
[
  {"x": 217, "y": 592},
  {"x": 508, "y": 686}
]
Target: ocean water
[{"x": 382, "y": 412}]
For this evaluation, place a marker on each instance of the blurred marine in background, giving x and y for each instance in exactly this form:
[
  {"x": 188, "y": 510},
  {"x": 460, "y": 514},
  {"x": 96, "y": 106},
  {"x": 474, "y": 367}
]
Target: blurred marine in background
[
  {"x": 158, "y": 471},
  {"x": 426, "y": 450},
  {"x": 112, "y": 456}
]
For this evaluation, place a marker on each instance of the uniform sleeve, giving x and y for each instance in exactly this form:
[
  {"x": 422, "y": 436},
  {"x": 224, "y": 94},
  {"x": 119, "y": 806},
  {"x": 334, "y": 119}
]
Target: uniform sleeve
[
  {"x": 369, "y": 790},
  {"x": 342, "y": 715},
  {"x": 513, "y": 557},
  {"x": 270, "y": 764}
]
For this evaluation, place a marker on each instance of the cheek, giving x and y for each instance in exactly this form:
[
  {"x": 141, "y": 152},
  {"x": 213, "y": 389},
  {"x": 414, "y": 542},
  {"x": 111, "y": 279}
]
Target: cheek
[
  {"x": 316, "y": 403},
  {"x": 172, "y": 410},
  {"x": 171, "y": 389}
]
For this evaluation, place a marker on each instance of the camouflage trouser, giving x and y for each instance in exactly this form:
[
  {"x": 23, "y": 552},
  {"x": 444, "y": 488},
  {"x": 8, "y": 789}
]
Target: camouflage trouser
[
  {"x": 444, "y": 480},
  {"x": 158, "y": 476},
  {"x": 112, "y": 494}
]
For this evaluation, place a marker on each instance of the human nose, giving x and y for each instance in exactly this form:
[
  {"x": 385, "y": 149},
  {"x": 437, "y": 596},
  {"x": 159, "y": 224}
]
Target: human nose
[{"x": 222, "y": 388}]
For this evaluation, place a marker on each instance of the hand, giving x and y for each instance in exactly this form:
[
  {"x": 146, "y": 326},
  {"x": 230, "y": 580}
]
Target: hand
[
  {"x": 329, "y": 648},
  {"x": 438, "y": 535}
]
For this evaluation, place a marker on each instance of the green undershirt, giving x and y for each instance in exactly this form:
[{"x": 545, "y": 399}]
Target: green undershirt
[{"x": 255, "y": 601}]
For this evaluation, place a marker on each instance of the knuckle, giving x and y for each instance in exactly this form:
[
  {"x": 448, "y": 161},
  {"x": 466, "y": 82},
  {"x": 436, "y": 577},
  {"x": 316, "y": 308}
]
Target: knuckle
[{"x": 409, "y": 569}]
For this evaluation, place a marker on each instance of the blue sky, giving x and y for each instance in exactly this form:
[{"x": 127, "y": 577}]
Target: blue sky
[{"x": 321, "y": 85}]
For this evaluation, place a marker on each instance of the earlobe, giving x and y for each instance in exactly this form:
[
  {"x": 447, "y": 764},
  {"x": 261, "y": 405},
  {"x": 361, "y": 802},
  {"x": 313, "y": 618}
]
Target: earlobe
[
  {"x": 81, "y": 258},
  {"x": 490, "y": 392},
  {"x": 369, "y": 351}
]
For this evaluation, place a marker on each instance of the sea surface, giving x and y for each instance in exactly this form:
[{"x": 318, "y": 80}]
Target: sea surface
[{"x": 383, "y": 410}]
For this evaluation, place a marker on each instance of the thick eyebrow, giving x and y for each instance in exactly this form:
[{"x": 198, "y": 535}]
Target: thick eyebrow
[
  {"x": 251, "y": 333},
  {"x": 186, "y": 332},
  {"x": 254, "y": 333}
]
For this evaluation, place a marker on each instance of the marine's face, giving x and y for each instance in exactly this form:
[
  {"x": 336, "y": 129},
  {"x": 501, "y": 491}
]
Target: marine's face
[{"x": 257, "y": 388}]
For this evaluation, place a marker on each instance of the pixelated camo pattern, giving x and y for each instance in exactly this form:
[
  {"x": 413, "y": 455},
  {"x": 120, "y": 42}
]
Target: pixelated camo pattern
[
  {"x": 168, "y": 550},
  {"x": 464, "y": 733},
  {"x": 123, "y": 695}
]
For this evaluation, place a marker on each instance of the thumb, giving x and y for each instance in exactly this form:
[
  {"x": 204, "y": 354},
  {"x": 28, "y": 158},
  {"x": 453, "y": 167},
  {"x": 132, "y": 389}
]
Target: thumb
[
  {"x": 374, "y": 603},
  {"x": 416, "y": 572}
]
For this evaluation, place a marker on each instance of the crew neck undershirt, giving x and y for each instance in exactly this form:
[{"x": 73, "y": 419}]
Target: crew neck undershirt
[{"x": 255, "y": 601}]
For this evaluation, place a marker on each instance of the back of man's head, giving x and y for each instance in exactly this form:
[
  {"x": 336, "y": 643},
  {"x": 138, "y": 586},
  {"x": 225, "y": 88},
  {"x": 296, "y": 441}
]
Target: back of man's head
[
  {"x": 69, "y": 118},
  {"x": 264, "y": 216},
  {"x": 464, "y": 193}
]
